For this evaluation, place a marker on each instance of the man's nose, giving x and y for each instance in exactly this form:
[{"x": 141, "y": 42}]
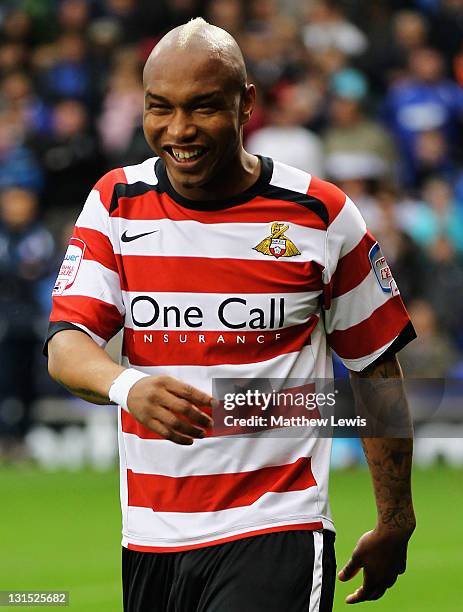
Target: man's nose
[{"x": 181, "y": 127}]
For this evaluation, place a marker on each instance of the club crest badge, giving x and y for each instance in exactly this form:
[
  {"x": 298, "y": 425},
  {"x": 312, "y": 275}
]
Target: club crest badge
[{"x": 277, "y": 244}]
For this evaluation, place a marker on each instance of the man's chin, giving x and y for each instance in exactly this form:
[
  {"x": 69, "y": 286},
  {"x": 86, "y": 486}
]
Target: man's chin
[
  {"x": 188, "y": 180},
  {"x": 191, "y": 182}
]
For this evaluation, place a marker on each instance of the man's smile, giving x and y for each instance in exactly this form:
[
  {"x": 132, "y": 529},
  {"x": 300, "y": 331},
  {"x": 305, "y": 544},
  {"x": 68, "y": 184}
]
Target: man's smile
[{"x": 186, "y": 156}]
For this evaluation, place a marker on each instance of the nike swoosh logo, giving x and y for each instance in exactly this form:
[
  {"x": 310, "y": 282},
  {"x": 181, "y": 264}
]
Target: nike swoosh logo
[{"x": 126, "y": 238}]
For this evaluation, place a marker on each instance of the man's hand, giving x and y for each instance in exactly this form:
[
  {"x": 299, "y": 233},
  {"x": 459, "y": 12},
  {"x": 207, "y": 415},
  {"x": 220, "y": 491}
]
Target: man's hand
[
  {"x": 163, "y": 404},
  {"x": 383, "y": 557},
  {"x": 170, "y": 408}
]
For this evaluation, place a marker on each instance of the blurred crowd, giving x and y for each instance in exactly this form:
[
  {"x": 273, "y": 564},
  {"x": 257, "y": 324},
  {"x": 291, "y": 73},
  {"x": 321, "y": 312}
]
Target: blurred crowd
[{"x": 366, "y": 94}]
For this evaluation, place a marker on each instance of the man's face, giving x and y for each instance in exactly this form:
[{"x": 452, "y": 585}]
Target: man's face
[
  {"x": 17, "y": 207},
  {"x": 426, "y": 65},
  {"x": 193, "y": 116}
]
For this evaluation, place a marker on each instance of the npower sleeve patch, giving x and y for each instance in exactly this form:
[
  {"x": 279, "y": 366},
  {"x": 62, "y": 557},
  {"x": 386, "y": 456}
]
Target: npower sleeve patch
[{"x": 70, "y": 266}]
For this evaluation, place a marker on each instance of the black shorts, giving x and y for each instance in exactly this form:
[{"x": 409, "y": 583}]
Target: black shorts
[{"x": 287, "y": 571}]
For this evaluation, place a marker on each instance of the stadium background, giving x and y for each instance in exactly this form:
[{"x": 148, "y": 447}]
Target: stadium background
[{"x": 367, "y": 94}]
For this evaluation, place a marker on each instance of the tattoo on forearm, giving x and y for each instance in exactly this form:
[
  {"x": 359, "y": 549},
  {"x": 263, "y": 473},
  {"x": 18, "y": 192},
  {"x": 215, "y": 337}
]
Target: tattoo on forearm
[
  {"x": 86, "y": 394},
  {"x": 380, "y": 396},
  {"x": 390, "y": 461}
]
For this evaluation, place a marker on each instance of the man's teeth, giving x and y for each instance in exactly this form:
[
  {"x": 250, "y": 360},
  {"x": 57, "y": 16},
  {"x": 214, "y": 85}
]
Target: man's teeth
[{"x": 182, "y": 155}]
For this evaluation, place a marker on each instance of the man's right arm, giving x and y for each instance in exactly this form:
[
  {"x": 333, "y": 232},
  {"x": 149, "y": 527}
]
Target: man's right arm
[
  {"x": 161, "y": 403},
  {"x": 79, "y": 364}
]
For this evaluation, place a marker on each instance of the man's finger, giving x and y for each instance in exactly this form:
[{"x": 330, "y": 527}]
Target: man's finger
[
  {"x": 402, "y": 567},
  {"x": 175, "y": 404},
  {"x": 370, "y": 589},
  {"x": 349, "y": 570},
  {"x": 168, "y": 434},
  {"x": 377, "y": 594},
  {"x": 175, "y": 423},
  {"x": 356, "y": 596},
  {"x": 391, "y": 582},
  {"x": 187, "y": 409},
  {"x": 363, "y": 593},
  {"x": 190, "y": 393}
]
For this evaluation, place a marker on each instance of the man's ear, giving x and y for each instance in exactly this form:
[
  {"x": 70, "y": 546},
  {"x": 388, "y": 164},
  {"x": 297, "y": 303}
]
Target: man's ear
[{"x": 248, "y": 101}]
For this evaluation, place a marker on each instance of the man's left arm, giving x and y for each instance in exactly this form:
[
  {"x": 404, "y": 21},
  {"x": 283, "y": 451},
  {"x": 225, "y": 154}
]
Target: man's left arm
[{"x": 381, "y": 553}]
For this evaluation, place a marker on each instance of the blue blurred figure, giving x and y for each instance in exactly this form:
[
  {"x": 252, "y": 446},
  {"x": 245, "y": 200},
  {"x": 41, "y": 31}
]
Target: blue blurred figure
[
  {"x": 17, "y": 163},
  {"x": 422, "y": 102},
  {"x": 26, "y": 253}
]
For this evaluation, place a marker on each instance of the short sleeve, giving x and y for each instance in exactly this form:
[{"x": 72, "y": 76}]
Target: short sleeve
[
  {"x": 363, "y": 312},
  {"x": 87, "y": 292}
]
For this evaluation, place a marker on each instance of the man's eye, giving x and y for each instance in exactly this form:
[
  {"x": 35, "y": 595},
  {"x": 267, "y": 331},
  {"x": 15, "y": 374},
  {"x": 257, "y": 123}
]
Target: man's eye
[
  {"x": 158, "y": 108},
  {"x": 206, "y": 109}
]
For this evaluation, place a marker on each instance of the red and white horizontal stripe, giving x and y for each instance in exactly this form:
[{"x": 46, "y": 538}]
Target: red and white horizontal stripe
[
  {"x": 145, "y": 348},
  {"x": 343, "y": 235},
  {"x": 230, "y": 454},
  {"x": 95, "y": 281},
  {"x": 98, "y": 247},
  {"x": 212, "y": 492},
  {"x": 224, "y": 240},
  {"x": 293, "y": 365},
  {"x": 101, "y": 318},
  {"x": 352, "y": 268},
  {"x": 165, "y": 530},
  {"x": 219, "y": 275},
  {"x": 238, "y": 523},
  {"x": 273, "y": 477},
  {"x": 361, "y": 344},
  {"x": 356, "y": 305},
  {"x": 94, "y": 214}
]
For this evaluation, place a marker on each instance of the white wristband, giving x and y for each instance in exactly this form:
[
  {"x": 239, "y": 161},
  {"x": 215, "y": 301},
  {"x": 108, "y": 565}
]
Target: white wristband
[{"x": 119, "y": 390}]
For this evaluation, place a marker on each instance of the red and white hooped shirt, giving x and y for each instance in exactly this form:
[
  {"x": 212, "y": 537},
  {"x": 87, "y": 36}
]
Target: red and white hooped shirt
[{"x": 261, "y": 285}]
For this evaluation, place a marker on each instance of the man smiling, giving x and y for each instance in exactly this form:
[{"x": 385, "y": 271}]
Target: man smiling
[
  {"x": 200, "y": 153},
  {"x": 207, "y": 241}
]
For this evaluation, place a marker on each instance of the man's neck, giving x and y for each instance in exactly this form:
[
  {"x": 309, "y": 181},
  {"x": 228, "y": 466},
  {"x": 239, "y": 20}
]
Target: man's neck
[{"x": 241, "y": 174}]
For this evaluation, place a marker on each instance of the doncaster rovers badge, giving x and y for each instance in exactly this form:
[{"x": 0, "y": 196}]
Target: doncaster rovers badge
[{"x": 277, "y": 244}]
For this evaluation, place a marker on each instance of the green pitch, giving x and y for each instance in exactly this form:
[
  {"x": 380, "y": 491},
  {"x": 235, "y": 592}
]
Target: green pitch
[{"x": 61, "y": 531}]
